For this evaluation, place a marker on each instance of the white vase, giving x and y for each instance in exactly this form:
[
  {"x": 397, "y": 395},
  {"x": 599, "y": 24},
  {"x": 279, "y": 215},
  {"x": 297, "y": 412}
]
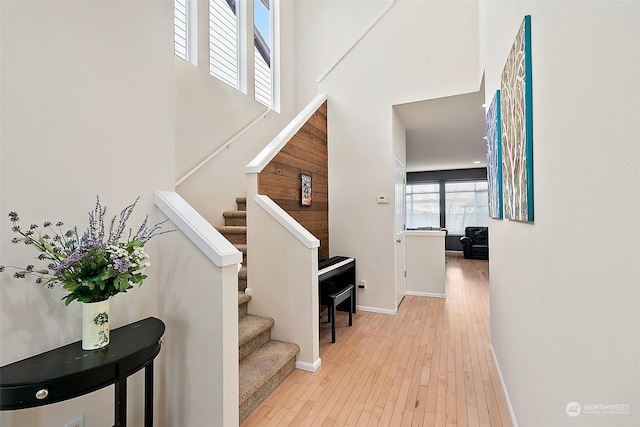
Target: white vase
[{"x": 95, "y": 324}]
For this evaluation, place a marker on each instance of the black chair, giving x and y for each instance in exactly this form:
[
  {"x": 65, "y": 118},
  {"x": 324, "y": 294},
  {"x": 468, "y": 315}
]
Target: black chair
[
  {"x": 335, "y": 295},
  {"x": 475, "y": 243}
]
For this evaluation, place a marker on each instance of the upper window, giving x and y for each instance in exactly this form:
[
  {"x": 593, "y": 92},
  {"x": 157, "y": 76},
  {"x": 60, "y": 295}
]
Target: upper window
[
  {"x": 185, "y": 37},
  {"x": 262, "y": 51},
  {"x": 467, "y": 204},
  {"x": 423, "y": 205},
  {"x": 223, "y": 41},
  {"x": 229, "y": 50},
  {"x": 180, "y": 28}
]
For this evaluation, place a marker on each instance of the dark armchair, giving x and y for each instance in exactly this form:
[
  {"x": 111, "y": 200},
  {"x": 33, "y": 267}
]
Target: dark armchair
[{"x": 475, "y": 243}]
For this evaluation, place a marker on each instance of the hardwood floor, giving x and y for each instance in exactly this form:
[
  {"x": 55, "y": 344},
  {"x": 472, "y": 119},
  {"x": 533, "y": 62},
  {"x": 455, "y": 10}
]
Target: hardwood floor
[{"x": 429, "y": 365}]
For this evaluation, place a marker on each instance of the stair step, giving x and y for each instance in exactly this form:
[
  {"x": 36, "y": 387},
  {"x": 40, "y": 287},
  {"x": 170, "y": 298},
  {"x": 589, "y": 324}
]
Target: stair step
[
  {"x": 234, "y": 233},
  {"x": 242, "y": 278},
  {"x": 253, "y": 332},
  {"x": 262, "y": 371},
  {"x": 235, "y": 218},
  {"x": 243, "y": 304},
  {"x": 242, "y": 247},
  {"x": 242, "y": 203}
]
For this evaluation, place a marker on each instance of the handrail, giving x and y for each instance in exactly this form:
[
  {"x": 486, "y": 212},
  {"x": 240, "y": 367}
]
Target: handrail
[
  {"x": 287, "y": 221},
  {"x": 276, "y": 144},
  {"x": 390, "y": 3},
  {"x": 195, "y": 227},
  {"x": 222, "y": 147}
]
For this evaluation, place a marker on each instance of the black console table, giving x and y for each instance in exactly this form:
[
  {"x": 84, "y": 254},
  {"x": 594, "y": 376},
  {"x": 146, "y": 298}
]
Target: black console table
[{"x": 69, "y": 371}]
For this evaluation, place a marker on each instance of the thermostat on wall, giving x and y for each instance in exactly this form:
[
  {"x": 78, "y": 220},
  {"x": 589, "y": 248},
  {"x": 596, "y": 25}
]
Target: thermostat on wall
[{"x": 383, "y": 199}]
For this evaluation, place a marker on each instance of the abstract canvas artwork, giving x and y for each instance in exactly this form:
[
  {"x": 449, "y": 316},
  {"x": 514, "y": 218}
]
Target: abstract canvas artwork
[
  {"x": 305, "y": 185},
  {"x": 517, "y": 128},
  {"x": 494, "y": 157}
]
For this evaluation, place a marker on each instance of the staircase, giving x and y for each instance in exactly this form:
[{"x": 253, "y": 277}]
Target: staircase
[{"x": 264, "y": 363}]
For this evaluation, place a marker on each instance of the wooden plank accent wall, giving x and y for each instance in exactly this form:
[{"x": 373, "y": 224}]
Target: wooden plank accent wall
[{"x": 305, "y": 153}]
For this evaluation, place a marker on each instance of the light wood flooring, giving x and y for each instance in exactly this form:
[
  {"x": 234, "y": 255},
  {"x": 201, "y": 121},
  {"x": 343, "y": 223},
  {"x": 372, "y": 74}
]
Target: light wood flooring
[{"x": 429, "y": 365}]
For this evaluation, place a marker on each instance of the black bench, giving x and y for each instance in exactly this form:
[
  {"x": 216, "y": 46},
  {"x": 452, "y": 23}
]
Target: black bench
[{"x": 335, "y": 297}]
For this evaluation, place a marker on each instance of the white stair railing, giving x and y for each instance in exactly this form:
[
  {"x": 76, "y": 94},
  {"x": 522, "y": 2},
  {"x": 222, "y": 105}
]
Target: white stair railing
[
  {"x": 378, "y": 17},
  {"x": 276, "y": 144},
  {"x": 223, "y": 147}
]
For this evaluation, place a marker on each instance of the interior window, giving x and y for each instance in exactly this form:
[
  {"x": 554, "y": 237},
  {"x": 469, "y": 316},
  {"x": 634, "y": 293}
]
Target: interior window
[
  {"x": 262, "y": 51},
  {"x": 180, "y": 28},
  {"x": 423, "y": 205},
  {"x": 223, "y": 41},
  {"x": 466, "y": 204}
]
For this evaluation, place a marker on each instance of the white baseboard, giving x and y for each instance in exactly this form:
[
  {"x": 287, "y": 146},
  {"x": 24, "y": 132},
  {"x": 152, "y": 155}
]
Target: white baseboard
[
  {"x": 375, "y": 309},
  {"x": 310, "y": 367},
  {"x": 425, "y": 294},
  {"x": 504, "y": 387}
]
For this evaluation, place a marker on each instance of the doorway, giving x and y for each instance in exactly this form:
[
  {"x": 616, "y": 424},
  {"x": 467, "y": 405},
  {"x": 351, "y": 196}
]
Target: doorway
[{"x": 400, "y": 221}]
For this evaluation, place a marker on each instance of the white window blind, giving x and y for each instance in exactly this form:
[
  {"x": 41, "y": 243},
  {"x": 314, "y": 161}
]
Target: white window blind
[
  {"x": 223, "y": 41},
  {"x": 180, "y": 28},
  {"x": 262, "y": 80}
]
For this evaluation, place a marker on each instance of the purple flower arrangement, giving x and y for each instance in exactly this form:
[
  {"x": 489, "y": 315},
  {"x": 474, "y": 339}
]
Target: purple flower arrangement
[{"x": 93, "y": 266}]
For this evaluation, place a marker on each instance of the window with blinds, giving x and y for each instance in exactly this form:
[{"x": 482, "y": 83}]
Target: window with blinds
[
  {"x": 262, "y": 51},
  {"x": 467, "y": 205},
  {"x": 223, "y": 41},
  {"x": 180, "y": 29},
  {"x": 423, "y": 205}
]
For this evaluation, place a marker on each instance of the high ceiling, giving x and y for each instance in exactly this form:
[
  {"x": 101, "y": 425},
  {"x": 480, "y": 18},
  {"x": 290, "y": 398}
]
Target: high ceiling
[{"x": 445, "y": 133}]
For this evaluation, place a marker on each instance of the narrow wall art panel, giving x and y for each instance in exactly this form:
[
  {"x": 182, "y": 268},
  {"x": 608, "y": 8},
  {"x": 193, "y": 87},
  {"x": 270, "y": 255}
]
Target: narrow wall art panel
[
  {"x": 305, "y": 189},
  {"x": 517, "y": 128},
  {"x": 494, "y": 157}
]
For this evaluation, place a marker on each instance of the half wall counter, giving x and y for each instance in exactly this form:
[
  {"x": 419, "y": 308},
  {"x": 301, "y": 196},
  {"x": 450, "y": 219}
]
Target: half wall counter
[{"x": 425, "y": 261}]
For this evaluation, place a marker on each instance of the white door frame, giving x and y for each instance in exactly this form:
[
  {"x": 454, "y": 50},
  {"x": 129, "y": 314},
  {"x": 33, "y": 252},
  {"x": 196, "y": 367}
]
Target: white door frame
[{"x": 400, "y": 219}]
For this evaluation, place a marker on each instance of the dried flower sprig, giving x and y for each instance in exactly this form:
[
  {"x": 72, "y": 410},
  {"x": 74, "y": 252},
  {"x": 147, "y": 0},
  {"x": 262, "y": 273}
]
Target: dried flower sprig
[{"x": 91, "y": 268}]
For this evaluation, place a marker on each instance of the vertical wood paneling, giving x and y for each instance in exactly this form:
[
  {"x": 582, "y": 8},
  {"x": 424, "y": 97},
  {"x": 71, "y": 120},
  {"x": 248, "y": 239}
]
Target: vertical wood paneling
[{"x": 305, "y": 153}]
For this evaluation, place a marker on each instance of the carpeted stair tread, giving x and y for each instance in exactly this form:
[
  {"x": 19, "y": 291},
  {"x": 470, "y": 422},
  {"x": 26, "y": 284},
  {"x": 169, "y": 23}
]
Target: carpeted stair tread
[
  {"x": 234, "y": 214},
  {"x": 235, "y": 218},
  {"x": 251, "y": 326},
  {"x": 258, "y": 367},
  {"x": 242, "y": 247},
  {"x": 241, "y": 202},
  {"x": 243, "y": 304},
  {"x": 236, "y": 234},
  {"x": 232, "y": 229},
  {"x": 243, "y": 298},
  {"x": 242, "y": 273}
]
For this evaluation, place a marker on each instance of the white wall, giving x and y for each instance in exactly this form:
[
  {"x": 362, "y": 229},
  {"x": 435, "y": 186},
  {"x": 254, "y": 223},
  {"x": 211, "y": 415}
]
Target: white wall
[
  {"x": 199, "y": 357},
  {"x": 283, "y": 279},
  {"x": 402, "y": 59},
  {"x": 87, "y": 109},
  {"x": 325, "y": 30},
  {"x": 564, "y": 290},
  {"x": 399, "y": 133}
]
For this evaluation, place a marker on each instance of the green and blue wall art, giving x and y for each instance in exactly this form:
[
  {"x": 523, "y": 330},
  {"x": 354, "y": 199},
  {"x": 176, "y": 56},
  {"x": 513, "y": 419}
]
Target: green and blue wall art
[
  {"x": 494, "y": 157},
  {"x": 517, "y": 128}
]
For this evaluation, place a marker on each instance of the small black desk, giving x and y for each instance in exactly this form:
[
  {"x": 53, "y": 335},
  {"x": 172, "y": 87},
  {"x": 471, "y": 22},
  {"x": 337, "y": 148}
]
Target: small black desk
[{"x": 69, "y": 371}]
